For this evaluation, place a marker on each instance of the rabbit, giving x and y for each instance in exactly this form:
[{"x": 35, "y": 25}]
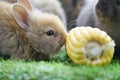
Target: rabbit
[
  {"x": 27, "y": 33},
  {"x": 49, "y": 6},
  {"x": 105, "y": 16}
]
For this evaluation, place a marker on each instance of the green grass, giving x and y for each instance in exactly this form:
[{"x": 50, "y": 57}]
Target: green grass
[{"x": 58, "y": 68}]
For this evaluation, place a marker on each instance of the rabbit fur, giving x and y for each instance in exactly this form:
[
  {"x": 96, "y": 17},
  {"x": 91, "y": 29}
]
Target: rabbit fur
[{"x": 28, "y": 33}]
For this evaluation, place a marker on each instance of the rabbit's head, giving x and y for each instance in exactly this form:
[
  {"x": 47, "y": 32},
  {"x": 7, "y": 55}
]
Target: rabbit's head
[{"x": 45, "y": 32}]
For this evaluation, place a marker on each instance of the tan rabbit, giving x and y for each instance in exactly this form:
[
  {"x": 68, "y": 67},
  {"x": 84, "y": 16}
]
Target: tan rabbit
[
  {"x": 49, "y": 6},
  {"x": 28, "y": 33}
]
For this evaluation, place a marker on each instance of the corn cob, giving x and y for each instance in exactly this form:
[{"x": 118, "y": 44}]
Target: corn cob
[{"x": 89, "y": 46}]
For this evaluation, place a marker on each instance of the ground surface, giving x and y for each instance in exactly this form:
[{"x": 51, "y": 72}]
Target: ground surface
[{"x": 58, "y": 68}]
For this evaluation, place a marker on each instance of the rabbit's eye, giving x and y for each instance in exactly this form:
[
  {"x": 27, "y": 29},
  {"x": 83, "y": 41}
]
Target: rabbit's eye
[
  {"x": 50, "y": 32},
  {"x": 118, "y": 2}
]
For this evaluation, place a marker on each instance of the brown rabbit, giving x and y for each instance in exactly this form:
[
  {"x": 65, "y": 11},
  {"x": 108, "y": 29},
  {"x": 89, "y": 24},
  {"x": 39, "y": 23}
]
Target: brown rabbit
[{"x": 27, "y": 33}]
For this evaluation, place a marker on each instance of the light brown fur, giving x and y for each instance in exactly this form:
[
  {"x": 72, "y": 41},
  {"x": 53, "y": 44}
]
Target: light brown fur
[{"x": 32, "y": 42}]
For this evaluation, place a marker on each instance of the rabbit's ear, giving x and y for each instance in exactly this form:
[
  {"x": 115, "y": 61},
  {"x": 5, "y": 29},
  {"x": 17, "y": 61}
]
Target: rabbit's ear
[
  {"x": 21, "y": 16},
  {"x": 25, "y": 3}
]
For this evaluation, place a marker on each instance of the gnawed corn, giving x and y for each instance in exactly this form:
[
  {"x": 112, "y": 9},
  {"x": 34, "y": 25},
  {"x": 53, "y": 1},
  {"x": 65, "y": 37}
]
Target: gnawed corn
[{"x": 89, "y": 46}]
